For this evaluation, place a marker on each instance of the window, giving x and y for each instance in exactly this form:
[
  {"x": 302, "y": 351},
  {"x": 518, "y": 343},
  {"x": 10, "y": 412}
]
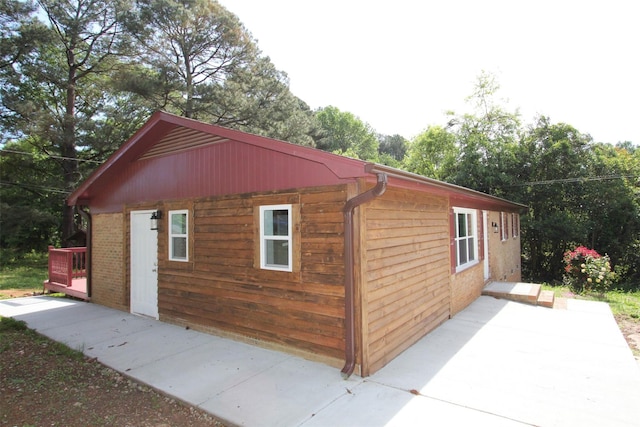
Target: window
[
  {"x": 466, "y": 238},
  {"x": 275, "y": 237},
  {"x": 179, "y": 235},
  {"x": 515, "y": 225},
  {"x": 504, "y": 228}
]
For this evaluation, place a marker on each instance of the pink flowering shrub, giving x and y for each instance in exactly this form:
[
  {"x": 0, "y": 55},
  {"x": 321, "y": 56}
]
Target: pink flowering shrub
[{"x": 586, "y": 270}]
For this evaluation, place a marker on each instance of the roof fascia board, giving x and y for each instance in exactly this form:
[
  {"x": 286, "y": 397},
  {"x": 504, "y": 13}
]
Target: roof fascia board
[
  {"x": 126, "y": 151},
  {"x": 467, "y": 192}
]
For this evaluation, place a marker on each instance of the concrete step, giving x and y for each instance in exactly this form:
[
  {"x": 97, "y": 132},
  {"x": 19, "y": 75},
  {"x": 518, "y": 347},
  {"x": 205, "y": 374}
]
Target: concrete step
[
  {"x": 514, "y": 291},
  {"x": 530, "y": 293},
  {"x": 546, "y": 299}
]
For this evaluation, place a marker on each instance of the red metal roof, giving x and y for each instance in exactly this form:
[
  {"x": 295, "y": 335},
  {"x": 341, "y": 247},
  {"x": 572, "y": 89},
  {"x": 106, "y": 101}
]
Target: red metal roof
[{"x": 173, "y": 157}]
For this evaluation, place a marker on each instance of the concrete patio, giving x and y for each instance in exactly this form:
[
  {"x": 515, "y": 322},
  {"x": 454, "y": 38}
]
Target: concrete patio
[{"x": 495, "y": 363}]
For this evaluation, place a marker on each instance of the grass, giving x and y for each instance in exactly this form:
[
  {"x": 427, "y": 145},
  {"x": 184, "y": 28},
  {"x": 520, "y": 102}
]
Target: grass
[
  {"x": 26, "y": 274},
  {"x": 624, "y": 303}
]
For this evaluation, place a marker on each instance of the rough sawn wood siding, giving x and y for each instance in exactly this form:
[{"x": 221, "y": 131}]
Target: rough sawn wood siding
[
  {"x": 406, "y": 274},
  {"x": 223, "y": 287}
]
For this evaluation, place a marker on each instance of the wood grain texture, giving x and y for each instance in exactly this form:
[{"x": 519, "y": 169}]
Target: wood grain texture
[
  {"x": 227, "y": 290},
  {"x": 407, "y": 272}
]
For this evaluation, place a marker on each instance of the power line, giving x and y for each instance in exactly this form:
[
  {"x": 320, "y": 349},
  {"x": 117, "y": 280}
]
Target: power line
[
  {"x": 35, "y": 187},
  {"x": 52, "y": 156},
  {"x": 570, "y": 180}
]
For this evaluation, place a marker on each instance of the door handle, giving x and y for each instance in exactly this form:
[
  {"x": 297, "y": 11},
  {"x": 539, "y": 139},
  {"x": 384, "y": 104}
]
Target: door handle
[{"x": 154, "y": 270}]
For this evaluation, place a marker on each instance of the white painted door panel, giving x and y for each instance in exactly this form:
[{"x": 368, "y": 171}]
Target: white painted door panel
[{"x": 144, "y": 265}]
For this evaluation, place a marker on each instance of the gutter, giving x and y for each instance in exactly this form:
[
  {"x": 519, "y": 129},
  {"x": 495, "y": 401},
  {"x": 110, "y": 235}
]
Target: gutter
[
  {"x": 84, "y": 213},
  {"x": 349, "y": 281}
]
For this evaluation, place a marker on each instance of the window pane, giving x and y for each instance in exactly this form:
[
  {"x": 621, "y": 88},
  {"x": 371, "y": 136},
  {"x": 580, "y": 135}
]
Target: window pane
[
  {"x": 462, "y": 252},
  {"x": 469, "y": 226},
  {"x": 277, "y": 252},
  {"x": 472, "y": 251},
  {"x": 179, "y": 223},
  {"x": 179, "y": 247},
  {"x": 462, "y": 225},
  {"x": 276, "y": 222}
]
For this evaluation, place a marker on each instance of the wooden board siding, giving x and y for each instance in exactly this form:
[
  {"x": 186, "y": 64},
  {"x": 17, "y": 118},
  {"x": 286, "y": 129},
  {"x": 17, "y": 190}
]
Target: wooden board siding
[
  {"x": 223, "y": 288},
  {"x": 406, "y": 275}
]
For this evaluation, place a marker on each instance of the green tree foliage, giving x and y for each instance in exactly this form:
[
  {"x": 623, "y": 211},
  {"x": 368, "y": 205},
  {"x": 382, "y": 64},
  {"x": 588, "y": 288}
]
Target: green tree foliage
[
  {"x": 20, "y": 31},
  {"x": 30, "y": 198},
  {"x": 551, "y": 167},
  {"x": 55, "y": 96},
  {"x": 188, "y": 49},
  {"x": 76, "y": 82},
  {"x": 579, "y": 193},
  {"x": 345, "y": 134},
  {"x": 432, "y": 153},
  {"x": 612, "y": 208},
  {"x": 486, "y": 139},
  {"x": 392, "y": 149},
  {"x": 197, "y": 60}
]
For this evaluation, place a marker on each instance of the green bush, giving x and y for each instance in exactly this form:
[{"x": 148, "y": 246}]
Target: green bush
[{"x": 587, "y": 271}]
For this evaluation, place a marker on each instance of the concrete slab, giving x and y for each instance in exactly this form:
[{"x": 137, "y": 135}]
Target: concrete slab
[
  {"x": 286, "y": 394},
  {"x": 371, "y": 404},
  {"x": 199, "y": 374},
  {"x": 571, "y": 372},
  {"x": 495, "y": 363},
  {"x": 139, "y": 342}
]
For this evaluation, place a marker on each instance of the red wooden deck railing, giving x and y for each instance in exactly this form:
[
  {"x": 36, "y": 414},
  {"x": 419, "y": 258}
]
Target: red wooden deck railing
[{"x": 67, "y": 264}]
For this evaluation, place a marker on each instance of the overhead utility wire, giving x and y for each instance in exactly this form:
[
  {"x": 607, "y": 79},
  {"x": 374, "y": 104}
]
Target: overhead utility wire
[
  {"x": 4, "y": 150},
  {"x": 35, "y": 187},
  {"x": 569, "y": 180}
]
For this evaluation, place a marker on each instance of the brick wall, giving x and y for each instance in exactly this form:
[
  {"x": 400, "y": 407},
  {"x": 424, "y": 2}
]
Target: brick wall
[
  {"x": 466, "y": 286},
  {"x": 108, "y": 285},
  {"x": 504, "y": 262},
  {"x": 504, "y": 255}
]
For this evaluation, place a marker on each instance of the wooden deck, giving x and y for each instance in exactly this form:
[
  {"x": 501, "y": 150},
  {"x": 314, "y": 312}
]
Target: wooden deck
[
  {"x": 78, "y": 288},
  {"x": 67, "y": 272}
]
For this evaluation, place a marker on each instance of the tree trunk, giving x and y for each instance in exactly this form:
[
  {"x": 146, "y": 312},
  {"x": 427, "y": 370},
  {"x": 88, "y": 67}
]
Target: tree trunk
[{"x": 68, "y": 150}]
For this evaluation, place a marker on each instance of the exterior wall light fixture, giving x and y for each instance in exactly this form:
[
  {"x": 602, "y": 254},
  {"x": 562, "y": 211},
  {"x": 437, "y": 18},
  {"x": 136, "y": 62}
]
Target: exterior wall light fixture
[{"x": 155, "y": 217}]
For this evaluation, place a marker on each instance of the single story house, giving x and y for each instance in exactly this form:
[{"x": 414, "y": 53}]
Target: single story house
[{"x": 285, "y": 246}]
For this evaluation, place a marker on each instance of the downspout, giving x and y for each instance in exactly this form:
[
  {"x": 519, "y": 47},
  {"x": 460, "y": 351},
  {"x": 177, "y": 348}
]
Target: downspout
[
  {"x": 349, "y": 281},
  {"x": 84, "y": 213}
]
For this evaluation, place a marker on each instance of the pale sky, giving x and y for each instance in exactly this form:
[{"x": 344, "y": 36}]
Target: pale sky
[{"x": 399, "y": 65}]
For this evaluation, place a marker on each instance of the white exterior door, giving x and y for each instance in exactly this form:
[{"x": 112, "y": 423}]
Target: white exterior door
[
  {"x": 485, "y": 232},
  {"x": 144, "y": 265}
]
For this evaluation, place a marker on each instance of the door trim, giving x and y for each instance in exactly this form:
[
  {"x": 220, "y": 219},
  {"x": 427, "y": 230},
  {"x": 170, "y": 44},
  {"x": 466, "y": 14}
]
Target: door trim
[
  {"x": 485, "y": 229},
  {"x": 155, "y": 312}
]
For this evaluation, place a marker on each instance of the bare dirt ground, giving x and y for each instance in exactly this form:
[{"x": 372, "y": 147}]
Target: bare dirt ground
[
  {"x": 43, "y": 383},
  {"x": 17, "y": 293},
  {"x": 630, "y": 328}
]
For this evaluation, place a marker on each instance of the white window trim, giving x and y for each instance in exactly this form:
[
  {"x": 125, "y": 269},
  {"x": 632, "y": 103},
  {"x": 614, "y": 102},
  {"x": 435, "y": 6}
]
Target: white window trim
[
  {"x": 172, "y": 235},
  {"x": 504, "y": 227},
  {"x": 264, "y": 239},
  {"x": 474, "y": 227},
  {"x": 515, "y": 225}
]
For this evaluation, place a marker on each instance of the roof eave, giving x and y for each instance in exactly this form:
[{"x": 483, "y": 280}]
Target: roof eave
[{"x": 409, "y": 176}]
